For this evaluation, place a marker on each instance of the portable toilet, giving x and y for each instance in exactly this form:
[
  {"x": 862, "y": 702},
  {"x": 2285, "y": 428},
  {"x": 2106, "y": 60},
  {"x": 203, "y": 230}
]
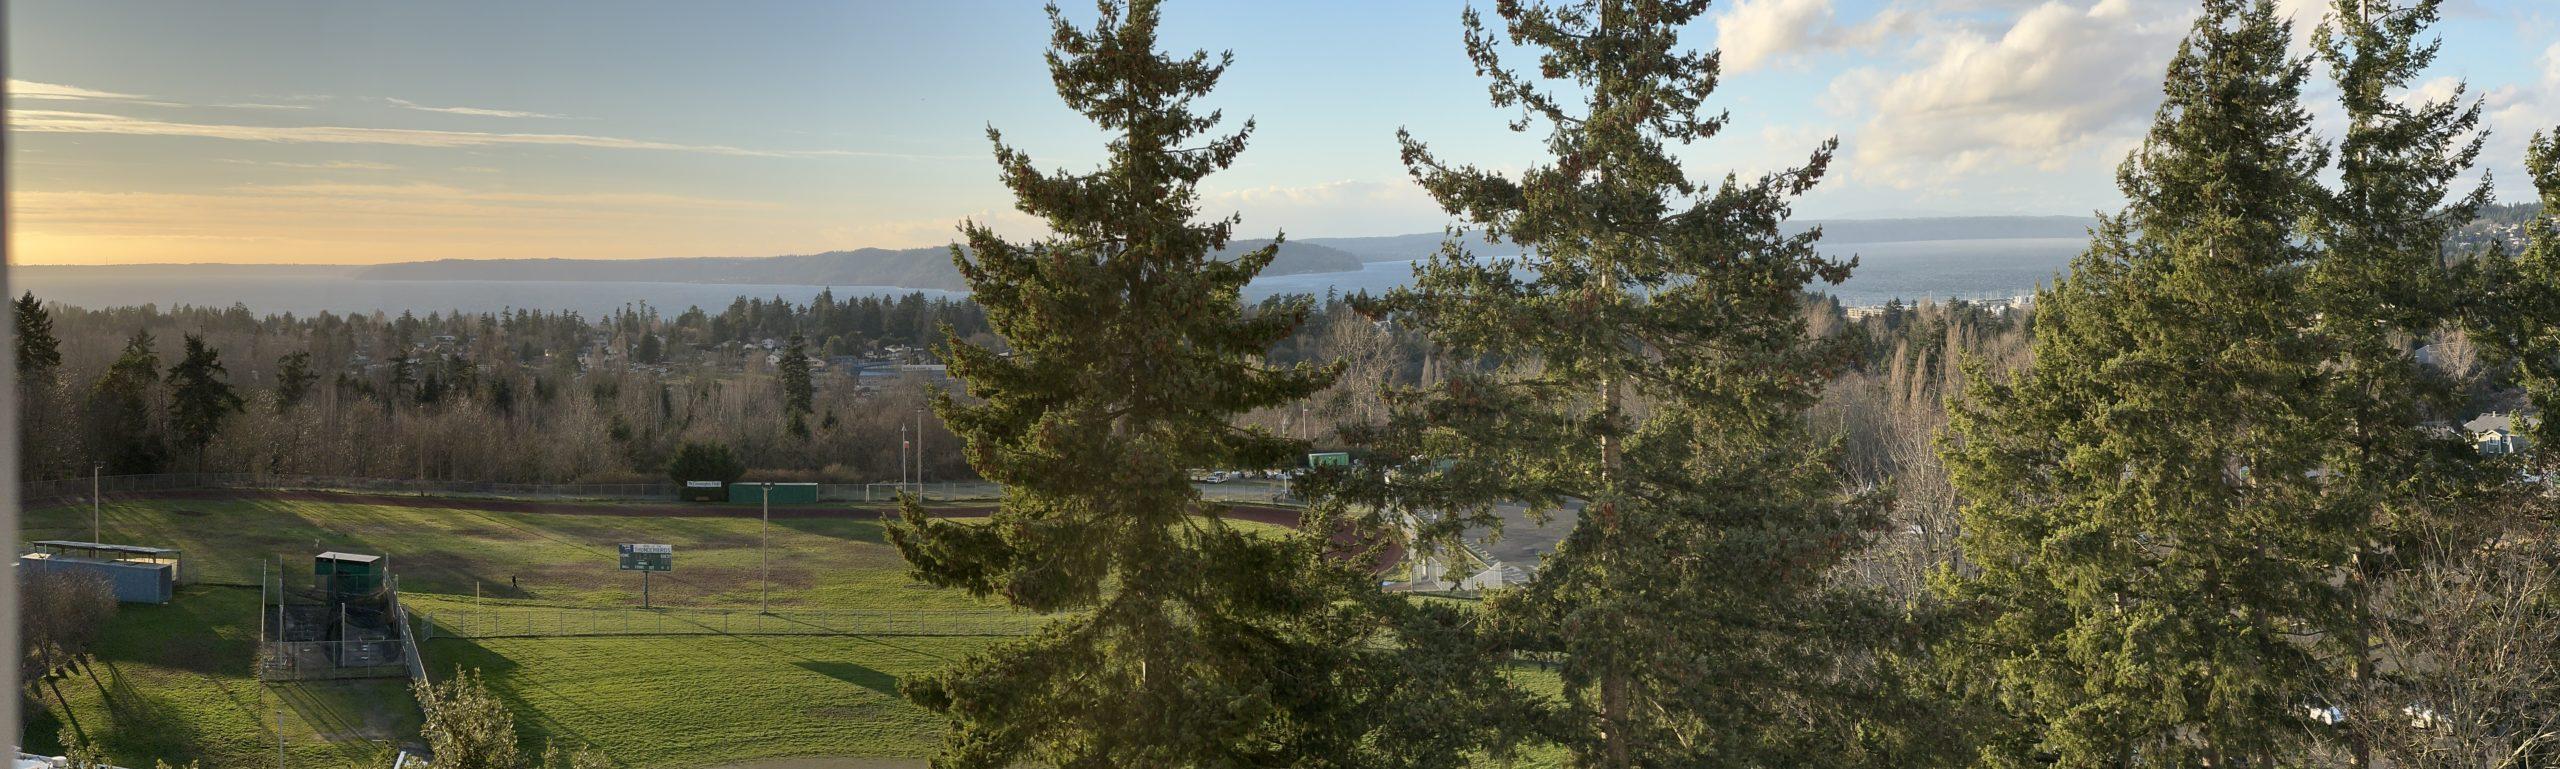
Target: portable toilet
[{"x": 346, "y": 575}]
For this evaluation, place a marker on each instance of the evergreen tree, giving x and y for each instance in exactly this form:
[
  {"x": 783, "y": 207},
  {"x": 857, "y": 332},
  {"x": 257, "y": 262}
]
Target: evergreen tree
[
  {"x": 2395, "y": 486},
  {"x": 39, "y": 354},
  {"x": 2517, "y": 315},
  {"x": 44, "y": 449},
  {"x": 1660, "y": 374},
  {"x": 293, "y": 379},
  {"x": 2153, "y": 557},
  {"x": 1182, "y": 641},
  {"x": 120, "y": 407},
  {"x": 706, "y": 462},
  {"x": 199, "y": 399},
  {"x": 799, "y": 392}
]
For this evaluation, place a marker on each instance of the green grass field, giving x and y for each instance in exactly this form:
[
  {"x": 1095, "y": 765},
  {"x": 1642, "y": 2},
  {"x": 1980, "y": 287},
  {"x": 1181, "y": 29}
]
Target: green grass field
[
  {"x": 671, "y": 702},
  {"x": 839, "y": 563},
  {"x": 173, "y": 682}
]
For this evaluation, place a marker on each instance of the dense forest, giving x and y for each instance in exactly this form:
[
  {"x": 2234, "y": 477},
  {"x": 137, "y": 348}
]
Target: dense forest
[
  {"x": 496, "y": 396},
  {"x": 520, "y": 396}
]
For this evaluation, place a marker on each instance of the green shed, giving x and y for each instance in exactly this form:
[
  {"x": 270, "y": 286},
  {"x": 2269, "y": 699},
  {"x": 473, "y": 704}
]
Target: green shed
[
  {"x": 782, "y": 493},
  {"x": 345, "y": 575}
]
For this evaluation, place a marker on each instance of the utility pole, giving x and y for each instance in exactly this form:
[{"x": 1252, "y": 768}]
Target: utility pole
[
  {"x": 903, "y": 443},
  {"x": 96, "y": 469},
  {"x": 764, "y": 579},
  {"x": 919, "y": 453}
]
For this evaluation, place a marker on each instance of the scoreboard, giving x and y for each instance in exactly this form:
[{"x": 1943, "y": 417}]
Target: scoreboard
[{"x": 648, "y": 558}]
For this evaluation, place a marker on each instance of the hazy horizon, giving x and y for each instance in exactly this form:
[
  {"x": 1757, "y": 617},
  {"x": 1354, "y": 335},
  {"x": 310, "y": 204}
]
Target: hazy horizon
[{"x": 297, "y": 132}]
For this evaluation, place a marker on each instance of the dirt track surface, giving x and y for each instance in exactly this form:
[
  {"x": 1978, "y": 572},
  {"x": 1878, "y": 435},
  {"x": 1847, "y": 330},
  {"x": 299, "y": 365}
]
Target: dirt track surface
[{"x": 1276, "y": 516}]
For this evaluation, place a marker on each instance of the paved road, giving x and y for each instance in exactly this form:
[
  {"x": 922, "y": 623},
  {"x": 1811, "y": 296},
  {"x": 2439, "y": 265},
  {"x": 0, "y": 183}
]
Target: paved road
[{"x": 1523, "y": 541}]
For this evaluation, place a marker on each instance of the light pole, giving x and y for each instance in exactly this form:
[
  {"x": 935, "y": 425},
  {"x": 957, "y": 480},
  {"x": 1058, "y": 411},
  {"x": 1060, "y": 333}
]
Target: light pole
[
  {"x": 919, "y": 453},
  {"x": 902, "y": 457},
  {"x": 96, "y": 532},
  {"x": 764, "y": 582}
]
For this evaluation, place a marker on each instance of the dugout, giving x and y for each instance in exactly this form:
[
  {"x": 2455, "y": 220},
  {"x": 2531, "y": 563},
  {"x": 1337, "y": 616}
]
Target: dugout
[
  {"x": 705, "y": 491},
  {"x": 783, "y": 493},
  {"x": 346, "y": 575},
  {"x": 136, "y": 574}
]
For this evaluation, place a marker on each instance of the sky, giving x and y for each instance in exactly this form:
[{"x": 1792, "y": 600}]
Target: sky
[{"x": 352, "y": 132}]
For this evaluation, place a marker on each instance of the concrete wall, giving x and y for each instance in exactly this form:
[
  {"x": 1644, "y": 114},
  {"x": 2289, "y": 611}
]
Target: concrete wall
[{"x": 132, "y": 582}]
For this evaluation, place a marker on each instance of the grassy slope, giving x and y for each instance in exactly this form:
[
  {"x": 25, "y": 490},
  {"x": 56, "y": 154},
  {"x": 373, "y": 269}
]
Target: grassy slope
[
  {"x": 172, "y": 683},
  {"x": 668, "y": 702},
  {"x": 646, "y": 701}
]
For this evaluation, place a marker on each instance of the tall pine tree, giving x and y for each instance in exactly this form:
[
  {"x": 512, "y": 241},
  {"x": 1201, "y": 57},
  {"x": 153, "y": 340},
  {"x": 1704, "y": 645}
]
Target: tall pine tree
[
  {"x": 122, "y": 430},
  {"x": 2155, "y": 557},
  {"x": 2400, "y": 492},
  {"x": 799, "y": 392},
  {"x": 1183, "y": 641},
  {"x": 45, "y": 450},
  {"x": 2517, "y": 315},
  {"x": 199, "y": 398},
  {"x": 1659, "y": 374}
]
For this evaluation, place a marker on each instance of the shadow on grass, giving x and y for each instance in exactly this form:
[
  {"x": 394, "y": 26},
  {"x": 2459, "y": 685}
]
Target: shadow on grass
[
  {"x": 857, "y": 675},
  {"x": 854, "y": 526}
]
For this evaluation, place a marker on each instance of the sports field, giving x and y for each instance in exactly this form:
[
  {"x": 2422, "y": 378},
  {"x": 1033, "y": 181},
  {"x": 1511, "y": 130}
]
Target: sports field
[{"x": 707, "y": 686}]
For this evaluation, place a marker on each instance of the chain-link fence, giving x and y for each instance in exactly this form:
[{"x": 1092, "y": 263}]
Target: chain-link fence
[
  {"x": 70, "y": 490},
  {"x": 329, "y": 660},
  {"x": 65, "y": 491},
  {"x": 470, "y": 618}
]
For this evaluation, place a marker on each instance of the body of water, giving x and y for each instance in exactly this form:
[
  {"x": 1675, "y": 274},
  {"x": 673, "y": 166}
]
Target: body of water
[{"x": 1970, "y": 269}]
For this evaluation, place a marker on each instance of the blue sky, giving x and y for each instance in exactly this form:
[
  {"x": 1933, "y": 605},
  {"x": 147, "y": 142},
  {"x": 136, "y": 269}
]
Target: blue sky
[{"x": 354, "y": 132}]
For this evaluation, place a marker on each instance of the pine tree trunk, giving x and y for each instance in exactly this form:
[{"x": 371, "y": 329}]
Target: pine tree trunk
[{"x": 1613, "y": 678}]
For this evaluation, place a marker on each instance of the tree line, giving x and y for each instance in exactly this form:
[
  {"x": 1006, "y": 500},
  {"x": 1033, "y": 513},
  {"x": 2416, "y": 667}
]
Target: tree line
[
  {"x": 521, "y": 395},
  {"x": 2209, "y": 504}
]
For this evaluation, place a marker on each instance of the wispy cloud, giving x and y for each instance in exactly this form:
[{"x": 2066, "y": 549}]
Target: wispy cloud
[
  {"x": 472, "y": 111},
  {"x": 255, "y": 105},
  {"x": 329, "y": 222},
  {"x": 61, "y": 121},
  {"x": 331, "y": 165},
  {"x": 29, "y": 89}
]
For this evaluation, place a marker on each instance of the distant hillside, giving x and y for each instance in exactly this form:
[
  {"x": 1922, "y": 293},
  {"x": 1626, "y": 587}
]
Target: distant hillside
[
  {"x": 928, "y": 268},
  {"x": 1397, "y": 248},
  {"x": 1839, "y": 231}
]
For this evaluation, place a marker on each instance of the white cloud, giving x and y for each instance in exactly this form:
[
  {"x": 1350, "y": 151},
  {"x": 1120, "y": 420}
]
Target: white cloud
[
  {"x": 329, "y": 165},
  {"x": 56, "y": 121},
  {"x": 29, "y": 89},
  {"x": 1758, "y": 33},
  {"x": 472, "y": 111},
  {"x": 2058, "y": 86},
  {"x": 1755, "y": 32}
]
